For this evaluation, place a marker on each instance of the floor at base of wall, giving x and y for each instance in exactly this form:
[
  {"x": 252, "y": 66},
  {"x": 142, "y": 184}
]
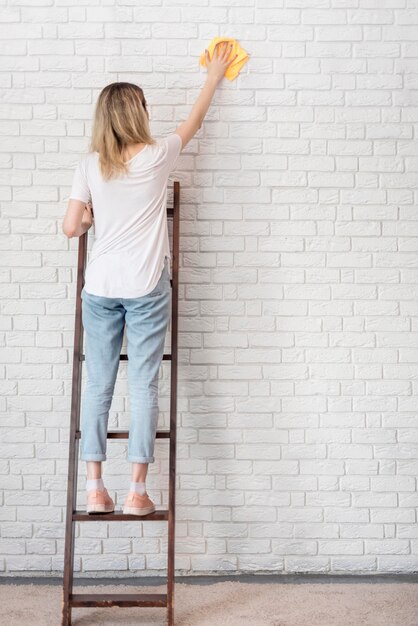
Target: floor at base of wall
[{"x": 270, "y": 600}]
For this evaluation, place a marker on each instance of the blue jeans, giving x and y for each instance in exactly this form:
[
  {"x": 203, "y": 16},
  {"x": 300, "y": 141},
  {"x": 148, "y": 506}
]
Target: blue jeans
[{"x": 104, "y": 320}]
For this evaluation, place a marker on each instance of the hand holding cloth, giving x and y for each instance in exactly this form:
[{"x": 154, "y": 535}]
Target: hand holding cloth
[{"x": 235, "y": 67}]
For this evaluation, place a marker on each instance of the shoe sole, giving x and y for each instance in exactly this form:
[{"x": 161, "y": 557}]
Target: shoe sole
[
  {"x": 100, "y": 508},
  {"x": 131, "y": 510}
]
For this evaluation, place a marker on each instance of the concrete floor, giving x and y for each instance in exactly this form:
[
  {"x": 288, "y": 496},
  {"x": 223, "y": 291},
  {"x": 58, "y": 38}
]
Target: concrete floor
[{"x": 246, "y": 600}]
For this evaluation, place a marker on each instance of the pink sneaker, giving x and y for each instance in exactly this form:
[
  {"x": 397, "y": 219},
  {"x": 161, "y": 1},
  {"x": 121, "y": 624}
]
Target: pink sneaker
[
  {"x": 135, "y": 504},
  {"x": 99, "y": 501}
]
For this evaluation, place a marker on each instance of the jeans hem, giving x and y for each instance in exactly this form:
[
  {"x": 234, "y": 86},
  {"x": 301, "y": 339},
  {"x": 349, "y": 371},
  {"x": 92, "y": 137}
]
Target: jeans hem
[
  {"x": 93, "y": 457},
  {"x": 141, "y": 459}
]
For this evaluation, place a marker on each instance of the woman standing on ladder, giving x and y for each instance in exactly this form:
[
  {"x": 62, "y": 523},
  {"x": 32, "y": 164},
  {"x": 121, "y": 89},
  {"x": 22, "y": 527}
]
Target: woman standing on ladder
[{"x": 123, "y": 179}]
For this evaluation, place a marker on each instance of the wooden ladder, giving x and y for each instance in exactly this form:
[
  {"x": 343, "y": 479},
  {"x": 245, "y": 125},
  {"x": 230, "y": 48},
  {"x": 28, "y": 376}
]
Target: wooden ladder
[{"x": 73, "y": 515}]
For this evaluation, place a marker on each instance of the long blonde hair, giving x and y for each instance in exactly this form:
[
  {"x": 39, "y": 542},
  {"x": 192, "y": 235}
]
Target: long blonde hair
[{"x": 121, "y": 118}]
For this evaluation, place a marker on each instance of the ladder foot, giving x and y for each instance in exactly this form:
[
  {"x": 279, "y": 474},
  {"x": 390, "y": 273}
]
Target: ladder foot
[{"x": 65, "y": 614}]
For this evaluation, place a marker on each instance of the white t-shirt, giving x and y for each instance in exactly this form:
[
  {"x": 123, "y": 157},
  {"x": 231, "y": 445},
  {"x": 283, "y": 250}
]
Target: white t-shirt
[{"x": 130, "y": 220}]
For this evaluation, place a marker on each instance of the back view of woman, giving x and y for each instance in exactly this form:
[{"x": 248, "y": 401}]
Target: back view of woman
[{"x": 122, "y": 185}]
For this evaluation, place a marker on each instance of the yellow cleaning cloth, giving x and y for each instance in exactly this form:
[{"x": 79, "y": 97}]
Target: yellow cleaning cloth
[{"x": 235, "y": 67}]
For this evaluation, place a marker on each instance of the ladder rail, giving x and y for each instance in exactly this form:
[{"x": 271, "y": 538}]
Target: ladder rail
[
  {"x": 173, "y": 404},
  {"x": 73, "y": 440},
  {"x": 70, "y": 599}
]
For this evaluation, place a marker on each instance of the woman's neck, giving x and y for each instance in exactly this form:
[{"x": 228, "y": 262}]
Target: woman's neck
[{"x": 131, "y": 150}]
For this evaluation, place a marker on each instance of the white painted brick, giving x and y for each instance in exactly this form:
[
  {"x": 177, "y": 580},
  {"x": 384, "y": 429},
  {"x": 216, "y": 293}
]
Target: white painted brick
[
  {"x": 306, "y": 564},
  {"x": 401, "y": 564},
  {"x": 104, "y": 563},
  {"x": 361, "y": 530},
  {"x": 211, "y": 563},
  {"x": 41, "y": 546},
  {"x": 29, "y": 563},
  {"x": 392, "y": 515},
  {"x": 340, "y": 546},
  {"x": 354, "y": 564},
  {"x": 297, "y": 437},
  {"x": 386, "y": 546}
]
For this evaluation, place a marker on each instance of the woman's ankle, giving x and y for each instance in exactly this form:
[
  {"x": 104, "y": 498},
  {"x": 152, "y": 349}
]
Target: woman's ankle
[
  {"x": 137, "y": 487},
  {"x": 94, "y": 484}
]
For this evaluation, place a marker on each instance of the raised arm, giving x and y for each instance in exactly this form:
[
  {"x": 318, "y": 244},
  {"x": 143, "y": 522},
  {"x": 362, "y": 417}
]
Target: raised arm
[{"x": 216, "y": 69}]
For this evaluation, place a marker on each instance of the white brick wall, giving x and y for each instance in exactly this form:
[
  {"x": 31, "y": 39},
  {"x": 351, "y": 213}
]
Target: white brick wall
[{"x": 298, "y": 436}]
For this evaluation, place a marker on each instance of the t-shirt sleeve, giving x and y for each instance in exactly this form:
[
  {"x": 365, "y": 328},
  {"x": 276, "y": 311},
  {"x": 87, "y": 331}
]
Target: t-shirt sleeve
[
  {"x": 80, "y": 189},
  {"x": 174, "y": 145}
]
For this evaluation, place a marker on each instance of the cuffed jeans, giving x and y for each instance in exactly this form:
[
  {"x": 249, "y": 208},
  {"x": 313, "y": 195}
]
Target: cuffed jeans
[{"x": 104, "y": 319}]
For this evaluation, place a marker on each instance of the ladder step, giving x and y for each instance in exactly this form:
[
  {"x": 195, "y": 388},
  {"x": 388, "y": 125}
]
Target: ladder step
[
  {"x": 124, "y": 357},
  {"x": 118, "y": 516},
  {"x": 124, "y": 434},
  {"x": 118, "y": 599}
]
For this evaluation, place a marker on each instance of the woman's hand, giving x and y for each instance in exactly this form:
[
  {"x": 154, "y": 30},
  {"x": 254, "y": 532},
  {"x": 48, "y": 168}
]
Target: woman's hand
[
  {"x": 218, "y": 65},
  {"x": 88, "y": 216}
]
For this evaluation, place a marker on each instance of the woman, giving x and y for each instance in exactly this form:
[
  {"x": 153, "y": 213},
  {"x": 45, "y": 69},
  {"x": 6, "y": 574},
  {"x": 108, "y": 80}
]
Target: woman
[{"x": 127, "y": 280}]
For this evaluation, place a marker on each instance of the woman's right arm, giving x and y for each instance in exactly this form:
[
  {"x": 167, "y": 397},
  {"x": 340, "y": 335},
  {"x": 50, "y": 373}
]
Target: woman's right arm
[{"x": 216, "y": 70}]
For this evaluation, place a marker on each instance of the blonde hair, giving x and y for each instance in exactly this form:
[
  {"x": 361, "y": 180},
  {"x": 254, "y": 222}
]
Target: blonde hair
[{"x": 121, "y": 118}]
